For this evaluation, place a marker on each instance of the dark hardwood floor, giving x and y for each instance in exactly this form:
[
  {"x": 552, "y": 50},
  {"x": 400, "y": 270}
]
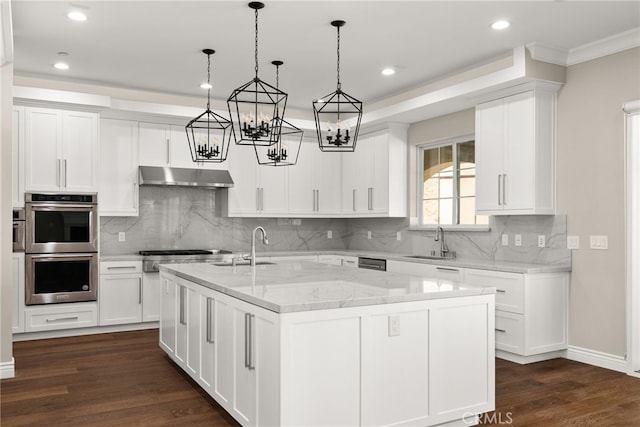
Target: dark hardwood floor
[{"x": 124, "y": 379}]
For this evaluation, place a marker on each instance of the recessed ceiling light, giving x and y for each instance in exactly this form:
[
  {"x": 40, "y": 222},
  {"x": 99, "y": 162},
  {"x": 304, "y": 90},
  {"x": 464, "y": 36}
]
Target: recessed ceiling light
[
  {"x": 500, "y": 24},
  {"x": 388, "y": 72},
  {"x": 206, "y": 86},
  {"x": 61, "y": 65},
  {"x": 77, "y": 16}
]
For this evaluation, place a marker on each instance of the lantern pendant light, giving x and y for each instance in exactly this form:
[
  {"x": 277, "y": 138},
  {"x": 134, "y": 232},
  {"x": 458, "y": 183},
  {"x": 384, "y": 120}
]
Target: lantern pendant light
[
  {"x": 254, "y": 105},
  {"x": 209, "y": 134},
  {"x": 337, "y": 115},
  {"x": 285, "y": 151}
]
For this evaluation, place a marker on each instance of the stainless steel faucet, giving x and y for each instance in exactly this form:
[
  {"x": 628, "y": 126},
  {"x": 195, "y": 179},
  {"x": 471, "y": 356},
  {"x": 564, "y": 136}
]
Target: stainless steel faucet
[
  {"x": 444, "y": 250},
  {"x": 265, "y": 240}
]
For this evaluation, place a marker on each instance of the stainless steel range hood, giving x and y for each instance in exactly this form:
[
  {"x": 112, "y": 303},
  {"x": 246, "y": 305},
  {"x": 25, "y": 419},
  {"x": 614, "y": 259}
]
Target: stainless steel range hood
[{"x": 202, "y": 178}]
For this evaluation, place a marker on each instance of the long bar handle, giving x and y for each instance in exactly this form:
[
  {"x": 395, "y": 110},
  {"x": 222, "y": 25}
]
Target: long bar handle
[
  {"x": 139, "y": 290},
  {"x": 447, "y": 269},
  {"x": 210, "y": 318},
  {"x": 500, "y": 330},
  {"x": 168, "y": 151},
  {"x": 248, "y": 341},
  {"x": 182, "y": 320},
  {"x": 500, "y": 291},
  {"x": 504, "y": 189},
  {"x": 121, "y": 267},
  {"x": 499, "y": 190},
  {"x": 65, "y": 172},
  {"x": 354, "y": 199},
  {"x": 61, "y": 319}
]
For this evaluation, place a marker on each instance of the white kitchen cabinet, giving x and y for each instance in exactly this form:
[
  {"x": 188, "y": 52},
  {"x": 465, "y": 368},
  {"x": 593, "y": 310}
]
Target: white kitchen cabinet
[
  {"x": 315, "y": 182},
  {"x": 151, "y": 297},
  {"x": 431, "y": 271},
  {"x": 375, "y": 175},
  {"x": 258, "y": 190},
  {"x": 119, "y": 172},
  {"x": 163, "y": 144},
  {"x": 51, "y": 317},
  {"x": 168, "y": 314},
  {"x": 17, "y": 163},
  {"x": 61, "y": 150},
  {"x": 17, "y": 263},
  {"x": 531, "y": 312},
  {"x": 515, "y": 154},
  {"x": 120, "y": 293}
]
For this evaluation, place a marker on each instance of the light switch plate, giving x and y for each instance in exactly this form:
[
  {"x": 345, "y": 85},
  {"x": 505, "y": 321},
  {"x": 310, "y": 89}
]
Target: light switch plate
[
  {"x": 505, "y": 240},
  {"x": 399, "y": 235},
  {"x": 573, "y": 242},
  {"x": 518, "y": 239},
  {"x": 121, "y": 236},
  {"x": 394, "y": 326},
  {"x": 329, "y": 234},
  {"x": 369, "y": 235},
  {"x": 599, "y": 242}
]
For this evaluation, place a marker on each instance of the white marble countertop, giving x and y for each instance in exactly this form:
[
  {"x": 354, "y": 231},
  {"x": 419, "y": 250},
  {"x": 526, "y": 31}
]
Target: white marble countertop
[
  {"x": 289, "y": 286},
  {"x": 506, "y": 266}
]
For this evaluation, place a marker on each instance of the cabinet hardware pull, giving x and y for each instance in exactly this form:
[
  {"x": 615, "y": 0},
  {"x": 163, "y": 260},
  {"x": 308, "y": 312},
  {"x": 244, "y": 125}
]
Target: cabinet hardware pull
[
  {"x": 500, "y": 330},
  {"x": 354, "y": 200},
  {"x": 168, "y": 151},
  {"x": 139, "y": 290},
  {"x": 65, "y": 172},
  {"x": 209, "y": 319},
  {"x": 447, "y": 269},
  {"x": 247, "y": 350},
  {"x": 182, "y": 320},
  {"x": 370, "y": 198},
  {"x": 504, "y": 189},
  {"x": 499, "y": 200},
  {"x": 61, "y": 319},
  {"x": 501, "y": 291},
  {"x": 317, "y": 200},
  {"x": 121, "y": 267}
]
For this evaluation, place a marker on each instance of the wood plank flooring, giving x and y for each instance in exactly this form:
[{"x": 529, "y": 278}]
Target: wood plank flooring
[{"x": 124, "y": 379}]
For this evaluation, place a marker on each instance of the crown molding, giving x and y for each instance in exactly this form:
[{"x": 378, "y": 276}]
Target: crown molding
[
  {"x": 607, "y": 46},
  {"x": 548, "y": 54}
]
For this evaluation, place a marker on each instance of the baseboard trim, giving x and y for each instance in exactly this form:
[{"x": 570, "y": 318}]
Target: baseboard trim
[
  {"x": 8, "y": 369},
  {"x": 523, "y": 360},
  {"x": 597, "y": 358}
]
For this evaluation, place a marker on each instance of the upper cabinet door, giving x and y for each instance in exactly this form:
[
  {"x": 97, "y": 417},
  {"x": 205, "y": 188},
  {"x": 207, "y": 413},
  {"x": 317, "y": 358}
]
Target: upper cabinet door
[
  {"x": 515, "y": 154},
  {"x": 80, "y": 151},
  {"x": 119, "y": 171},
  {"x": 61, "y": 150},
  {"x": 154, "y": 140},
  {"x": 43, "y": 155}
]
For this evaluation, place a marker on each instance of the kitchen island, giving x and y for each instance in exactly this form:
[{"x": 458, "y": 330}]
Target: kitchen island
[{"x": 303, "y": 343}]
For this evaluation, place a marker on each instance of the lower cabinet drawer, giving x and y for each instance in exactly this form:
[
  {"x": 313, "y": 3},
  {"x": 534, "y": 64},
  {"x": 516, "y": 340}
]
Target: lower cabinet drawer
[
  {"x": 509, "y": 332},
  {"x": 64, "y": 316},
  {"x": 509, "y": 287}
]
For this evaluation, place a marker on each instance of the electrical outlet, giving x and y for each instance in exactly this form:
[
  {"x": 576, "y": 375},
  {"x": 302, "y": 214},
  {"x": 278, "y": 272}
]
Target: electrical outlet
[
  {"x": 598, "y": 242},
  {"x": 329, "y": 234},
  {"x": 369, "y": 235},
  {"x": 542, "y": 241},
  {"x": 296, "y": 221},
  {"x": 505, "y": 240},
  {"x": 399, "y": 235},
  {"x": 121, "y": 236},
  {"x": 573, "y": 242},
  {"x": 394, "y": 326},
  {"x": 518, "y": 239}
]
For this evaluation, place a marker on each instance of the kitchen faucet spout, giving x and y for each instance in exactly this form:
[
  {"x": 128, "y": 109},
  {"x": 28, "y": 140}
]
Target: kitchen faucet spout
[
  {"x": 265, "y": 240},
  {"x": 444, "y": 250}
]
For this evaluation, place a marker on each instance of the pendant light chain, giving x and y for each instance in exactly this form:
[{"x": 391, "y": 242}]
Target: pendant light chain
[
  {"x": 208, "y": 81},
  {"x": 256, "y": 58},
  {"x": 338, "y": 52}
]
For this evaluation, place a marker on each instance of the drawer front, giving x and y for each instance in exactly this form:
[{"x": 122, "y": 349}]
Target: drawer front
[
  {"x": 509, "y": 288},
  {"x": 66, "y": 316},
  {"x": 120, "y": 267},
  {"x": 510, "y": 332}
]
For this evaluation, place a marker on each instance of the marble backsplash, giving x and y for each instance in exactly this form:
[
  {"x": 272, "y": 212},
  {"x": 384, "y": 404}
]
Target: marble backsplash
[{"x": 188, "y": 218}]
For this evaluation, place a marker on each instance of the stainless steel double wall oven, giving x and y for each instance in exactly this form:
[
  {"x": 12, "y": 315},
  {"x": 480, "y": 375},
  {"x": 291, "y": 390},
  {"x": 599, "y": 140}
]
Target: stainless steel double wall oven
[{"x": 61, "y": 248}]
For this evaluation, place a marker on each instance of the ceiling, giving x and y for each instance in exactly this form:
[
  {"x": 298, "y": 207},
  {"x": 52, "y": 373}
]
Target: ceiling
[{"x": 156, "y": 45}]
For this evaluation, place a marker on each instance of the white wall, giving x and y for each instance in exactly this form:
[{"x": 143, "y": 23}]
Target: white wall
[
  {"x": 6, "y": 247},
  {"x": 590, "y": 186}
]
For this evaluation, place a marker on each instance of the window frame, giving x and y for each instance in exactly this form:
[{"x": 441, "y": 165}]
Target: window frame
[{"x": 420, "y": 185}]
